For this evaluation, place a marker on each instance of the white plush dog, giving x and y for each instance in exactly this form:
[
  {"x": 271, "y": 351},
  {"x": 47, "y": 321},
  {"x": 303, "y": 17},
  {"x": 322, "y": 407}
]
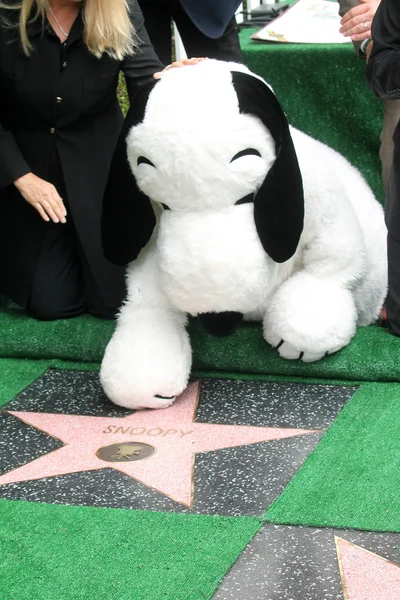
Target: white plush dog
[{"x": 244, "y": 228}]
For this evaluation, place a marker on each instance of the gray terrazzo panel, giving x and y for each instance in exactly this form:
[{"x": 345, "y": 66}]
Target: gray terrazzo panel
[
  {"x": 234, "y": 481},
  {"x": 298, "y": 563},
  {"x": 243, "y": 402},
  {"x": 20, "y": 443},
  {"x": 247, "y": 479},
  {"x": 68, "y": 392},
  {"x": 106, "y": 487}
]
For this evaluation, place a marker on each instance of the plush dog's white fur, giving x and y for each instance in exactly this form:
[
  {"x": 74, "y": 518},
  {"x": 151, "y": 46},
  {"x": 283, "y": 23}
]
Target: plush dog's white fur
[{"x": 205, "y": 254}]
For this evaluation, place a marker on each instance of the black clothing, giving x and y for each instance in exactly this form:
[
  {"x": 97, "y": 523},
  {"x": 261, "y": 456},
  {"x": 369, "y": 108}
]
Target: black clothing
[
  {"x": 60, "y": 105},
  {"x": 63, "y": 285},
  {"x": 211, "y": 17},
  {"x": 393, "y": 298},
  {"x": 158, "y": 14},
  {"x": 383, "y": 75},
  {"x": 57, "y": 290}
]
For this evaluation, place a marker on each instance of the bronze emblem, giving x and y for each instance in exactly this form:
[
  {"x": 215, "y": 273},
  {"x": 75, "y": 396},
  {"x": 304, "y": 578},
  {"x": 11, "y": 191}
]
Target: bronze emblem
[{"x": 125, "y": 452}]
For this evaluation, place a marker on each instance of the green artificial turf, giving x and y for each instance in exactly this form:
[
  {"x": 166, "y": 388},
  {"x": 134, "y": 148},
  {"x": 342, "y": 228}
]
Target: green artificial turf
[
  {"x": 53, "y": 552},
  {"x": 352, "y": 479},
  {"x": 324, "y": 93},
  {"x": 373, "y": 355}
]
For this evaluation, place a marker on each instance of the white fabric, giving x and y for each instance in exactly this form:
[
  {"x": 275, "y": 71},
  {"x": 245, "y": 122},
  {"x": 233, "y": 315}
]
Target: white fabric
[{"x": 205, "y": 255}]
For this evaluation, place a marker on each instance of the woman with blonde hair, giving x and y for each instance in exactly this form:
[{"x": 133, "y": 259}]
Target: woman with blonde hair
[{"x": 59, "y": 123}]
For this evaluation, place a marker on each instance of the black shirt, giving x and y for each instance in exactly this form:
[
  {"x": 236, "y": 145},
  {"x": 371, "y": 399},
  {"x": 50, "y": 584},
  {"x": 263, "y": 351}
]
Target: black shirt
[
  {"x": 383, "y": 75},
  {"x": 60, "y": 98}
]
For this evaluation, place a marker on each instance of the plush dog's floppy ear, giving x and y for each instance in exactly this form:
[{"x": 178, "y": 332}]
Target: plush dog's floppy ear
[
  {"x": 279, "y": 203},
  {"x": 127, "y": 220}
]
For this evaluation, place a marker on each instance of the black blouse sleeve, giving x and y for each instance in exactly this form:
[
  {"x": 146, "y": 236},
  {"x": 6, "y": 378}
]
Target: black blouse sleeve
[
  {"x": 12, "y": 163},
  {"x": 383, "y": 68},
  {"x": 139, "y": 68}
]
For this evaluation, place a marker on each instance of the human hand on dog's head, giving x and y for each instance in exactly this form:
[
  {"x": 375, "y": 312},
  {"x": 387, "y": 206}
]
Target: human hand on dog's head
[{"x": 177, "y": 64}]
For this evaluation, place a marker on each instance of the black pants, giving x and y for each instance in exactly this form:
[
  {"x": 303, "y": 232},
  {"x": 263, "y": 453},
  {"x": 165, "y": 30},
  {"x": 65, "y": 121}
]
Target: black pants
[
  {"x": 393, "y": 297},
  {"x": 63, "y": 286},
  {"x": 158, "y": 14}
]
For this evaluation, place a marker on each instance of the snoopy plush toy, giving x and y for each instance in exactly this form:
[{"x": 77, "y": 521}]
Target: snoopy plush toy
[{"x": 224, "y": 212}]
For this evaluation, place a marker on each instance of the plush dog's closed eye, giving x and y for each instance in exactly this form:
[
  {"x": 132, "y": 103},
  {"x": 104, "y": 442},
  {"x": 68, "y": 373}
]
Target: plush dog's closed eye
[
  {"x": 246, "y": 152},
  {"x": 142, "y": 160}
]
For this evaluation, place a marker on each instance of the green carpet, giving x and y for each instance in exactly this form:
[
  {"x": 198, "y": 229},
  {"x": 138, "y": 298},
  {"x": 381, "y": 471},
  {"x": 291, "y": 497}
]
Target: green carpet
[
  {"x": 51, "y": 552},
  {"x": 371, "y": 356},
  {"x": 352, "y": 479},
  {"x": 323, "y": 91}
]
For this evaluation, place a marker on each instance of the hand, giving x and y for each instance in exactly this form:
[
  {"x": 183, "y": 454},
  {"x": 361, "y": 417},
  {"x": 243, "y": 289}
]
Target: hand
[
  {"x": 356, "y": 23},
  {"x": 177, "y": 64},
  {"x": 43, "y": 196}
]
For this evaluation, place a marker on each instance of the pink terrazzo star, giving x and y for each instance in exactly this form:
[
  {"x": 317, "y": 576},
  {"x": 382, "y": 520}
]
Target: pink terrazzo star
[
  {"x": 172, "y": 432},
  {"x": 366, "y": 576}
]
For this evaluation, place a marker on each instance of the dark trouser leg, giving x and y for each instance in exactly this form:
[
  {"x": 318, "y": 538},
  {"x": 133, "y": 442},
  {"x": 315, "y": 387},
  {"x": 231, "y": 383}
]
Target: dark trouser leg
[
  {"x": 391, "y": 116},
  {"x": 94, "y": 302},
  {"x": 57, "y": 290},
  {"x": 227, "y": 47},
  {"x": 393, "y": 297},
  {"x": 63, "y": 286},
  {"x": 157, "y": 18}
]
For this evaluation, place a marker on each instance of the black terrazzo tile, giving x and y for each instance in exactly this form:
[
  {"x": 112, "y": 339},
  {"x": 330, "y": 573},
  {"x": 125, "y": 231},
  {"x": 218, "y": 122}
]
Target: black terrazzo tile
[
  {"x": 298, "y": 563},
  {"x": 243, "y": 402},
  {"x": 242, "y": 480},
  {"x": 21, "y": 443},
  {"x": 67, "y": 392}
]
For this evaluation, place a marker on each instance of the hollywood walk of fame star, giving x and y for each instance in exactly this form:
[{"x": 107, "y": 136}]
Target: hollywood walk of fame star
[
  {"x": 172, "y": 432},
  {"x": 365, "y": 575}
]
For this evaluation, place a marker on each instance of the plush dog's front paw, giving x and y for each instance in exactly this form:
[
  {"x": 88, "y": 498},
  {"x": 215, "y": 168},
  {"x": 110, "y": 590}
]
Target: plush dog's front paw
[
  {"x": 143, "y": 368},
  {"x": 135, "y": 384},
  {"x": 309, "y": 318},
  {"x": 290, "y": 352}
]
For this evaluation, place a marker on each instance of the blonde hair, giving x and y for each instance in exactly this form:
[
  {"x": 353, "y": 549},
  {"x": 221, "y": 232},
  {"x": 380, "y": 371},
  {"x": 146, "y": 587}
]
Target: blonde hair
[{"x": 107, "y": 26}]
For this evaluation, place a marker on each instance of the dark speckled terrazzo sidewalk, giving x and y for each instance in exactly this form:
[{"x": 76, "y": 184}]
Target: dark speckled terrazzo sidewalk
[
  {"x": 233, "y": 481},
  {"x": 300, "y": 563},
  {"x": 280, "y": 562}
]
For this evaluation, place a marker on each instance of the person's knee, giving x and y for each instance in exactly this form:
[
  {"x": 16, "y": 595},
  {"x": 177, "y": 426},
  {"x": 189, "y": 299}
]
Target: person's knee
[
  {"x": 103, "y": 313},
  {"x": 44, "y": 309},
  {"x": 44, "y": 313}
]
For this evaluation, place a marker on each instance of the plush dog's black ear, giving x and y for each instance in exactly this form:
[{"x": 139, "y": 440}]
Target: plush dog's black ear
[
  {"x": 279, "y": 203},
  {"x": 128, "y": 219}
]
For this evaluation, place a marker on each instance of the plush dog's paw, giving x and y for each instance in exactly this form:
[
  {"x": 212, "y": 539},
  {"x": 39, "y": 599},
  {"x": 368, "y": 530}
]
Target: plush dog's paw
[
  {"x": 146, "y": 368},
  {"x": 156, "y": 402},
  {"x": 128, "y": 388},
  {"x": 290, "y": 352},
  {"x": 310, "y": 318}
]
